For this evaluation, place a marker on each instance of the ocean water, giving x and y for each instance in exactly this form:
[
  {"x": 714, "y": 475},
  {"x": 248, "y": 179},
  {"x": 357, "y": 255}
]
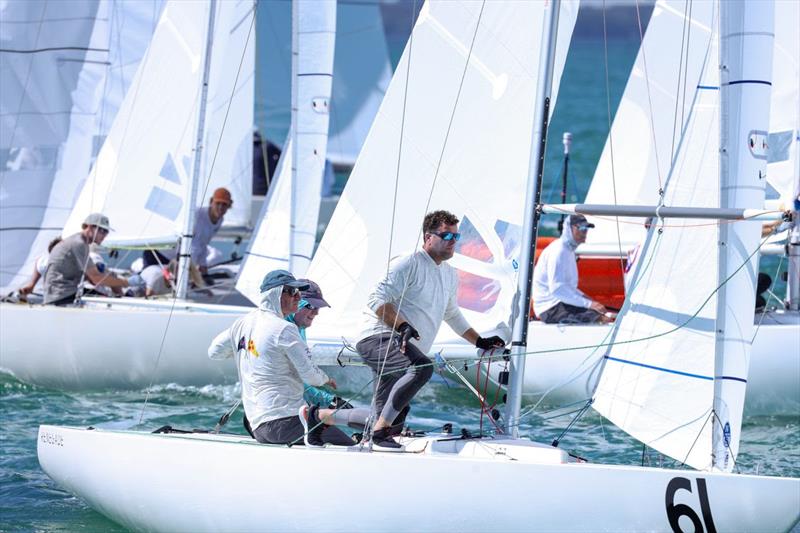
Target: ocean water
[{"x": 30, "y": 501}]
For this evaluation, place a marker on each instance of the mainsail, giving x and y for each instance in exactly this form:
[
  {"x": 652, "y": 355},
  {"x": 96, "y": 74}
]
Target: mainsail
[
  {"x": 65, "y": 68},
  {"x": 453, "y": 132},
  {"x": 145, "y": 166}
]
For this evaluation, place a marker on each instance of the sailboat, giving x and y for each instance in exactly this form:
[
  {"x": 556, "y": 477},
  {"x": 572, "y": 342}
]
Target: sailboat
[
  {"x": 213, "y": 479},
  {"x": 143, "y": 180}
]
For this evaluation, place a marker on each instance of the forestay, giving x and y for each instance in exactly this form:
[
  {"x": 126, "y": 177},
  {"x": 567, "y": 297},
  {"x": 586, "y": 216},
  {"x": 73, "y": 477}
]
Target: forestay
[
  {"x": 462, "y": 98},
  {"x": 145, "y": 165},
  {"x": 654, "y": 109},
  {"x": 66, "y": 68}
]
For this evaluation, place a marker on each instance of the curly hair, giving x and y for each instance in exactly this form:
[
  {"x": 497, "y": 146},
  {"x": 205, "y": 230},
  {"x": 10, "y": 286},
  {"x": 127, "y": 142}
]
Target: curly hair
[{"x": 436, "y": 218}]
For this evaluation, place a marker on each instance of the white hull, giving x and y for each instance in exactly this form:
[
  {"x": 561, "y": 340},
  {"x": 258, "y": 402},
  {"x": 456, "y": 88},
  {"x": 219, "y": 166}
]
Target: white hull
[
  {"x": 114, "y": 345},
  {"x": 222, "y": 483}
]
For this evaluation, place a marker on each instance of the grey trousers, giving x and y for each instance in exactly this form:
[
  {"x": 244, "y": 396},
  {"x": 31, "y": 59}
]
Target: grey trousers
[
  {"x": 562, "y": 313},
  {"x": 402, "y": 375},
  {"x": 289, "y": 430}
]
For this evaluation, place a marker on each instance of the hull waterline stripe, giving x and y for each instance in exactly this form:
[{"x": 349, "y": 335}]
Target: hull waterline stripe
[{"x": 670, "y": 371}]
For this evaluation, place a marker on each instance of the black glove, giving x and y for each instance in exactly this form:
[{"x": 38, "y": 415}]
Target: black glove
[
  {"x": 340, "y": 403},
  {"x": 487, "y": 343},
  {"x": 406, "y": 331}
]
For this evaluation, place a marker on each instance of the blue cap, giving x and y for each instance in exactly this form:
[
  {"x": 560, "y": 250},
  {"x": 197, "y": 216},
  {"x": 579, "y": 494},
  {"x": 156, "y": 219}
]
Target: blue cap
[{"x": 278, "y": 278}]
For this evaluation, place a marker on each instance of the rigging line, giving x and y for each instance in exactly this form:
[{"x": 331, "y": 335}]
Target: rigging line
[
  {"x": 222, "y": 130},
  {"x": 649, "y": 101},
  {"x": 370, "y": 421},
  {"x": 685, "y": 69},
  {"x": 610, "y": 135},
  {"x": 230, "y": 101},
  {"x": 455, "y": 106},
  {"x": 10, "y": 143},
  {"x": 684, "y": 46}
]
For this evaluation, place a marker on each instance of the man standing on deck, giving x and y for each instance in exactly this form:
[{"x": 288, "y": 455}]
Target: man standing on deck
[
  {"x": 403, "y": 315},
  {"x": 556, "y": 297},
  {"x": 69, "y": 263}
]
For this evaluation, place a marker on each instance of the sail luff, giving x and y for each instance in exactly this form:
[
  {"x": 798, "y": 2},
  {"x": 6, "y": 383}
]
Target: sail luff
[
  {"x": 190, "y": 199},
  {"x": 746, "y": 48}
]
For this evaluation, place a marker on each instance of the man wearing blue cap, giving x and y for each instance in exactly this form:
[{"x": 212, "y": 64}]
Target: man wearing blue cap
[{"x": 274, "y": 362}]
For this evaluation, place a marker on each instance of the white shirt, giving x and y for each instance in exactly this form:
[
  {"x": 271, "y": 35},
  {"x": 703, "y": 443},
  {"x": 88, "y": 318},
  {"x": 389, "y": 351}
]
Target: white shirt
[
  {"x": 424, "y": 294},
  {"x": 555, "y": 278},
  {"x": 273, "y": 361},
  {"x": 155, "y": 280}
]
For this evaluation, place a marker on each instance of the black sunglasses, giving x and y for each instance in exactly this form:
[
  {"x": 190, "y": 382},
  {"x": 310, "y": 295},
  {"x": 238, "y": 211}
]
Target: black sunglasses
[
  {"x": 447, "y": 235},
  {"x": 291, "y": 291}
]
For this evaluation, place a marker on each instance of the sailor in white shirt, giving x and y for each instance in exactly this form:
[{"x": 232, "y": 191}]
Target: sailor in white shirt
[
  {"x": 273, "y": 363},
  {"x": 403, "y": 315},
  {"x": 556, "y": 297}
]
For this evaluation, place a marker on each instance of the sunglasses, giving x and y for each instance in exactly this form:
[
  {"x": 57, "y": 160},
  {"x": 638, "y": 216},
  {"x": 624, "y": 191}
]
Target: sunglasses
[
  {"x": 447, "y": 235},
  {"x": 582, "y": 227},
  {"x": 104, "y": 231},
  {"x": 291, "y": 291}
]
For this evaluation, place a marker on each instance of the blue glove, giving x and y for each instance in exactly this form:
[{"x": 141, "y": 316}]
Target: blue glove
[{"x": 136, "y": 282}]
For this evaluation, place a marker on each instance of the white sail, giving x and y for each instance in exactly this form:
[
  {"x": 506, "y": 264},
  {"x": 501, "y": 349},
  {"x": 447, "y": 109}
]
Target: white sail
[
  {"x": 65, "y": 68},
  {"x": 228, "y": 131},
  {"x": 648, "y": 111},
  {"x": 746, "y": 49},
  {"x": 651, "y": 115},
  {"x": 269, "y": 244},
  {"x": 659, "y": 378},
  {"x": 783, "y": 170},
  {"x": 462, "y": 98},
  {"x": 142, "y": 170},
  {"x": 313, "y": 37},
  {"x": 362, "y": 72}
]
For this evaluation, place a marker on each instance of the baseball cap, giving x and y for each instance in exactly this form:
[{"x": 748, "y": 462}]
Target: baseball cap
[
  {"x": 222, "y": 195},
  {"x": 313, "y": 294},
  {"x": 99, "y": 220},
  {"x": 278, "y": 278},
  {"x": 579, "y": 220}
]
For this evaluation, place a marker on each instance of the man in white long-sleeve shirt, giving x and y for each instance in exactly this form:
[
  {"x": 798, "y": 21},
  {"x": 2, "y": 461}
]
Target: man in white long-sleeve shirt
[
  {"x": 556, "y": 297},
  {"x": 403, "y": 315},
  {"x": 274, "y": 362}
]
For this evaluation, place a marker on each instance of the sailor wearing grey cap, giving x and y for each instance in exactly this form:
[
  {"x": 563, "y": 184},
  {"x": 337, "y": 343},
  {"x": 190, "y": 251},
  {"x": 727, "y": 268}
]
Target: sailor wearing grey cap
[
  {"x": 556, "y": 297},
  {"x": 69, "y": 263},
  {"x": 274, "y": 362}
]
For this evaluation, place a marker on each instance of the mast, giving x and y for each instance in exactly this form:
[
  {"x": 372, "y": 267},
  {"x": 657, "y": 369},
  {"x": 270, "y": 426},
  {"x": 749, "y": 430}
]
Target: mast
[
  {"x": 746, "y": 43},
  {"x": 185, "y": 252},
  {"x": 566, "y": 140},
  {"x": 519, "y": 339}
]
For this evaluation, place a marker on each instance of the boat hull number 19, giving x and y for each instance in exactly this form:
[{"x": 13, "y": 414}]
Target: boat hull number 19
[{"x": 675, "y": 511}]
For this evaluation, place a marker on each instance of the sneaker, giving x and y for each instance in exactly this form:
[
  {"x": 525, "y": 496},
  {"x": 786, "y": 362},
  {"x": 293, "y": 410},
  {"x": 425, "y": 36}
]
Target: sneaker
[
  {"x": 308, "y": 417},
  {"x": 383, "y": 442}
]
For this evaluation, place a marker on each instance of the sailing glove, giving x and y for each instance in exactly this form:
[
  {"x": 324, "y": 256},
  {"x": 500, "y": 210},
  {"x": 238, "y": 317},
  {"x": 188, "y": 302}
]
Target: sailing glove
[
  {"x": 489, "y": 343},
  {"x": 406, "y": 331}
]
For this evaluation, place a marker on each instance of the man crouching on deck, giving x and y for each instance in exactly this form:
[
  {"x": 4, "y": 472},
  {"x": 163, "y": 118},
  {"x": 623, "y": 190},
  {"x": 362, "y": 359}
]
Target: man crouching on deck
[
  {"x": 404, "y": 314},
  {"x": 273, "y": 362}
]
